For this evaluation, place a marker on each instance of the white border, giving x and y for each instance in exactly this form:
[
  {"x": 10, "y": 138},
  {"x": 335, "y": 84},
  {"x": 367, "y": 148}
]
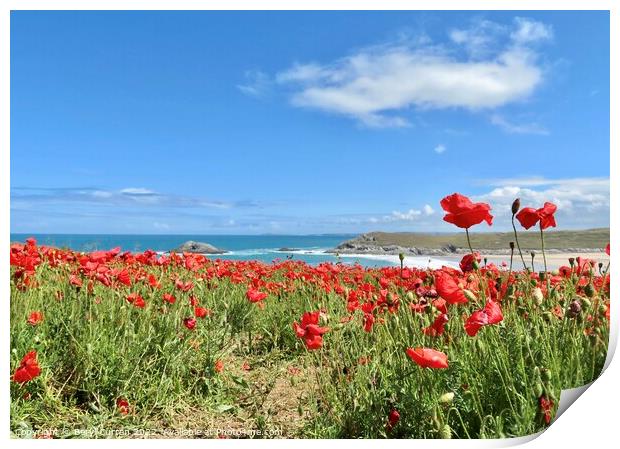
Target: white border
[{"x": 590, "y": 421}]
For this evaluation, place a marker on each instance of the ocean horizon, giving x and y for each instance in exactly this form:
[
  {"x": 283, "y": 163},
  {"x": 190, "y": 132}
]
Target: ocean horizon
[{"x": 266, "y": 248}]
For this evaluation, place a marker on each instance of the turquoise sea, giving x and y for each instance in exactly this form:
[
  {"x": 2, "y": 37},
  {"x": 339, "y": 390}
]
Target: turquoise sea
[{"x": 309, "y": 248}]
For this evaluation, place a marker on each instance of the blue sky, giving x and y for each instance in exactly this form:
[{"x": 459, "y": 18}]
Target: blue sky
[{"x": 304, "y": 122}]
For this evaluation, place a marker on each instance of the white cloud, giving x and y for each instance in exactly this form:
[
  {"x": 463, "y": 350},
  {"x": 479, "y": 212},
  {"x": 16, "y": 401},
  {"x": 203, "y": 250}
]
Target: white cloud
[
  {"x": 518, "y": 128},
  {"x": 410, "y": 215},
  {"x": 257, "y": 83},
  {"x": 376, "y": 85},
  {"x": 479, "y": 40},
  {"x": 582, "y": 202},
  {"x": 439, "y": 149},
  {"x": 135, "y": 191},
  {"x": 528, "y": 31},
  {"x": 428, "y": 210}
]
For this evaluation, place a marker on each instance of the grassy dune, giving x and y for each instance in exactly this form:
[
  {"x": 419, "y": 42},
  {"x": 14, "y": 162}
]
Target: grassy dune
[{"x": 589, "y": 238}]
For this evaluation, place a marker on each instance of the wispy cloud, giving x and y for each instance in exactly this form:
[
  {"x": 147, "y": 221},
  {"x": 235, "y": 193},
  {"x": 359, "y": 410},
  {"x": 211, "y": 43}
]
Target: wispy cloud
[
  {"x": 440, "y": 149},
  {"x": 518, "y": 128},
  {"x": 375, "y": 85},
  {"x": 130, "y": 196},
  {"x": 257, "y": 83}
]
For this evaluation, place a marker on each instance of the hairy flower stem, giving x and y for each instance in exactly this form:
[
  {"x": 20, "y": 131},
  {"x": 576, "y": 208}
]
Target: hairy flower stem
[
  {"x": 514, "y": 228},
  {"x": 512, "y": 252},
  {"x": 542, "y": 240},
  {"x": 469, "y": 241}
]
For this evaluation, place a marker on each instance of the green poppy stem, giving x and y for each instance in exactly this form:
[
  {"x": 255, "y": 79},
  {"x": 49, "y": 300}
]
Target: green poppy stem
[
  {"x": 468, "y": 241},
  {"x": 514, "y": 228},
  {"x": 542, "y": 240}
]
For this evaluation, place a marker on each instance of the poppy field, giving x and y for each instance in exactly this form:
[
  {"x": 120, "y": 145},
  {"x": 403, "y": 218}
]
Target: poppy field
[{"x": 115, "y": 340}]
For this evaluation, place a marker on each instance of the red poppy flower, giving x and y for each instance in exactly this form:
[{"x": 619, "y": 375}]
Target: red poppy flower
[
  {"x": 28, "y": 368},
  {"x": 169, "y": 298},
  {"x": 546, "y": 406},
  {"x": 310, "y": 330},
  {"x": 467, "y": 262},
  {"x": 136, "y": 300},
  {"x": 201, "y": 312},
  {"x": 438, "y": 326},
  {"x": 189, "y": 323},
  {"x": 35, "y": 318},
  {"x": 607, "y": 249},
  {"x": 448, "y": 288},
  {"x": 393, "y": 419},
  {"x": 463, "y": 213},
  {"x": 122, "y": 405},
  {"x": 254, "y": 295},
  {"x": 428, "y": 358},
  {"x": 528, "y": 216},
  {"x": 219, "y": 366},
  {"x": 75, "y": 281},
  {"x": 490, "y": 314}
]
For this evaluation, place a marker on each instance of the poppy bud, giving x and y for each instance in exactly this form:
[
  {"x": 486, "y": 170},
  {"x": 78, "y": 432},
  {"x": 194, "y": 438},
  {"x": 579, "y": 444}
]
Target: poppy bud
[
  {"x": 446, "y": 398},
  {"x": 589, "y": 290},
  {"x": 469, "y": 295},
  {"x": 410, "y": 296},
  {"x": 586, "y": 303},
  {"x": 541, "y": 276},
  {"x": 479, "y": 345},
  {"x": 401, "y": 256},
  {"x": 445, "y": 433},
  {"x": 537, "y": 294},
  {"x": 546, "y": 374},
  {"x": 516, "y": 205},
  {"x": 548, "y": 316},
  {"x": 571, "y": 261},
  {"x": 538, "y": 390}
]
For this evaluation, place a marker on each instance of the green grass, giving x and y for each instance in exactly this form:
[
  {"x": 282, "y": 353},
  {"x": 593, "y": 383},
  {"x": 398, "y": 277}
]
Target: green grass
[{"x": 94, "y": 347}]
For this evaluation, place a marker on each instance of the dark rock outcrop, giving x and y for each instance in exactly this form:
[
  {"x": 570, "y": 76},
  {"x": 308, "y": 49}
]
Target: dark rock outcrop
[{"x": 198, "y": 248}]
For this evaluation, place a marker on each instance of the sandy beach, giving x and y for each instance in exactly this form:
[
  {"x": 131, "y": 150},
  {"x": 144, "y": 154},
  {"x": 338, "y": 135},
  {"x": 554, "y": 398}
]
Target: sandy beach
[{"x": 554, "y": 260}]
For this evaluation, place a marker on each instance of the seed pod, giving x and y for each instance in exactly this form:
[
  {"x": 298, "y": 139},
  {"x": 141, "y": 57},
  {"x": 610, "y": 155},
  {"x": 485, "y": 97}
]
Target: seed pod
[
  {"x": 516, "y": 205},
  {"x": 574, "y": 309},
  {"x": 445, "y": 433}
]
